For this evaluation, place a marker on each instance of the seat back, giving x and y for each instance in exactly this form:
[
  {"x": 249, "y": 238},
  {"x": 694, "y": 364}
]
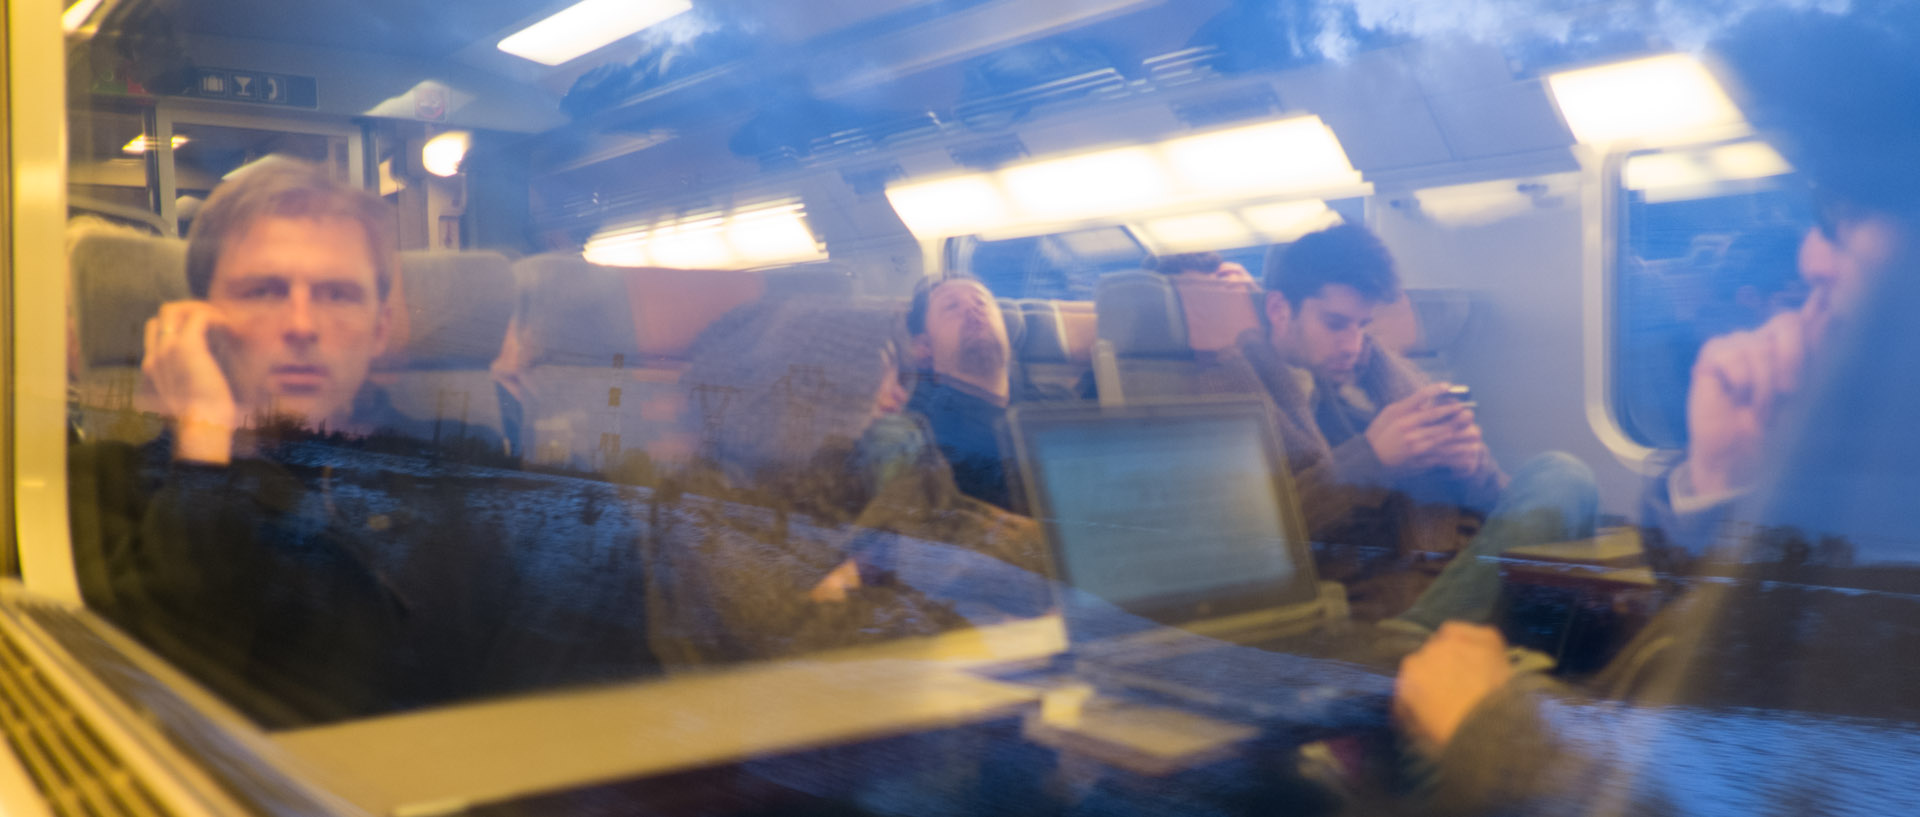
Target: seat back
[
  {"x": 450, "y": 316},
  {"x": 1423, "y": 326},
  {"x": 597, "y": 353},
  {"x": 119, "y": 278},
  {"x": 1145, "y": 348},
  {"x": 1216, "y": 312}
]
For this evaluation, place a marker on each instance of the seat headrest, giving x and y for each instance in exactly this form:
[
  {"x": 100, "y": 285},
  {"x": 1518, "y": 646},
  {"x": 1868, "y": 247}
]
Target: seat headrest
[
  {"x": 1016, "y": 322},
  {"x": 671, "y": 307},
  {"x": 1217, "y": 312},
  {"x": 1046, "y": 334},
  {"x": 1078, "y": 325},
  {"x": 577, "y": 312},
  {"x": 120, "y": 279},
  {"x": 1396, "y": 327},
  {"x": 573, "y": 312},
  {"x": 1140, "y": 314},
  {"x": 450, "y": 309},
  {"x": 1442, "y": 316}
]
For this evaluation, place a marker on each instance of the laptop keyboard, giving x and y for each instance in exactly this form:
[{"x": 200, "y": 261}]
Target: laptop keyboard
[{"x": 1250, "y": 682}]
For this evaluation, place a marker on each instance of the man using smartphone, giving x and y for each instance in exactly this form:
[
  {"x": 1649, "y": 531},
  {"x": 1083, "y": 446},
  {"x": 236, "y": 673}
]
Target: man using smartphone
[{"x": 1392, "y": 470}]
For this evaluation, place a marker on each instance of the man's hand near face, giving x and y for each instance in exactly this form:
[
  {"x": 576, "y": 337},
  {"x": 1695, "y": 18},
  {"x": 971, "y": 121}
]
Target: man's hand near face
[
  {"x": 1739, "y": 382},
  {"x": 180, "y": 367},
  {"x": 1422, "y": 431}
]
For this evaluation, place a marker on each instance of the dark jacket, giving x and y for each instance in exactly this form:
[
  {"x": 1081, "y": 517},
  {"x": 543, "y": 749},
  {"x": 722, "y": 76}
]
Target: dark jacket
[
  {"x": 970, "y": 429},
  {"x": 316, "y": 579},
  {"x": 730, "y": 566},
  {"x": 1370, "y": 526}
]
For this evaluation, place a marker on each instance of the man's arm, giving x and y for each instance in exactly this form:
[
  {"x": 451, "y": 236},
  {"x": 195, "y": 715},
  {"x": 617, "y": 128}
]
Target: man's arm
[
  {"x": 1739, "y": 383},
  {"x": 1506, "y": 743}
]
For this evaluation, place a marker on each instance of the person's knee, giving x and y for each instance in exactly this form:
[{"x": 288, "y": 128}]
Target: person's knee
[
  {"x": 1557, "y": 468},
  {"x": 1559, "y": 479}
]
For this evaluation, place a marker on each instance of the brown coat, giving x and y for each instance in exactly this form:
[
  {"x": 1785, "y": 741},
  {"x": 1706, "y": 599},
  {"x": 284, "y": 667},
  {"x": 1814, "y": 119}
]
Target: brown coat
[{"x": 1382, "y": 534}]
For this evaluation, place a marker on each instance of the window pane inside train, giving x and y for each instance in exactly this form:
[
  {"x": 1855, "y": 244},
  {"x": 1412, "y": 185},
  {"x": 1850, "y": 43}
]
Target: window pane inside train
[{"x": 912, "y": 407}]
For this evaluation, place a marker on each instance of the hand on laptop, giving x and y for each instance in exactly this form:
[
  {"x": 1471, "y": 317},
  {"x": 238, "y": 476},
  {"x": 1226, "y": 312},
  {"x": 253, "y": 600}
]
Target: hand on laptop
[{"x": 1441, "y": 683}]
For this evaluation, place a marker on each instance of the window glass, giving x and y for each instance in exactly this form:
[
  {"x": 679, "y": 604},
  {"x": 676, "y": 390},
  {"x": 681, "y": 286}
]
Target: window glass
[
  {"x": 1065, "y": 266},
  {"x": 111, "y": 176},
  {"x": 1697, "y": 258},
  {"x": 765, "y": 407}
]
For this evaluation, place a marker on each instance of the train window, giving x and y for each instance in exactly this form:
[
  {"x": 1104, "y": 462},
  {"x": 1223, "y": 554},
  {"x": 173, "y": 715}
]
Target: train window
[
  {"x": 1063, "y": 266},
  {"x": 701, "y": 406},
  {"x": 112, "y": 153},
  {"x": 1709, "y": 244}
]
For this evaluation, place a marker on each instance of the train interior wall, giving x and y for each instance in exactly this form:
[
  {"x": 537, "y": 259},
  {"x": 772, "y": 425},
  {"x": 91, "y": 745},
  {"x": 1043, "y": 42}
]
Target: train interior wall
[{"x": 1523, "y": 349}]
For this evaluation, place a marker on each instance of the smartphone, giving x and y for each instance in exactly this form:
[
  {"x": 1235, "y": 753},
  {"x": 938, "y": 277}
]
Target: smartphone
[{"x": 1457, "y": 395}]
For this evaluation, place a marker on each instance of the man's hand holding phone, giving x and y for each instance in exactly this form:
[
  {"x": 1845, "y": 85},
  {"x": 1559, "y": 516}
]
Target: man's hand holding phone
[
  {"x": 182, "y": 369},
  {"x": 1431, "y": 428}
]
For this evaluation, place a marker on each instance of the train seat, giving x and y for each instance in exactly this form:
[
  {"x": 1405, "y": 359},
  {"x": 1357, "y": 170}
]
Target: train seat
[
  {"x": 450, "y": 315},
  {"x": 1217, "y": 312},
  {"x": 119, "y": 279},
  {"x": 1423, "y": 326},
  {"x": 597, "y": 352},
  {"x": 1154, "y": 342}
]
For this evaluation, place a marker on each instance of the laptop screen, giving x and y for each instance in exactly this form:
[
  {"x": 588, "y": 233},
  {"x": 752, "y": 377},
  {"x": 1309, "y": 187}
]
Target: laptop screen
[{"x": 1150, "y": 508}]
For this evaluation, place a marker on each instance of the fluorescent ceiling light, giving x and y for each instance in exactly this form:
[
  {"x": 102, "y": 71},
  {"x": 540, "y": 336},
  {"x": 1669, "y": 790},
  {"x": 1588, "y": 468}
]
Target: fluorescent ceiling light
[
  {"x": 442, "y": 154},
  {"x": 753, "y": 238},
  {"x": 587, "y": 26},
  {"x": 1655, "y": 171},
  {"x": 961, "y": 205},
  {"x": 1202, "y": 173},
  {"x": 772, "y": 236},
  {"x": 1200, "y": 231},
  {"x": 1747, "y": 160},
  {"x": 1691, "y": 174},
  {"x": 143, "y": 143},
  {"x": 1289, "y": 220},
  {"x": 1277, "y": 223},
  {"x": 1087, "y": 186},
  {"x": 1293, "y": 154},
  {"x": 1657, "y": 100},
  {"x": 76, "y": 15},
  {"x": 1470, "y": 205},
  {"x": 700, "y": 245}
]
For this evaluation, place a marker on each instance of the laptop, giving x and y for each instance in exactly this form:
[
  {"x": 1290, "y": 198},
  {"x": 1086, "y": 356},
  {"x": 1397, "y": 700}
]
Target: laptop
[{"x": 1183, "y": 563}]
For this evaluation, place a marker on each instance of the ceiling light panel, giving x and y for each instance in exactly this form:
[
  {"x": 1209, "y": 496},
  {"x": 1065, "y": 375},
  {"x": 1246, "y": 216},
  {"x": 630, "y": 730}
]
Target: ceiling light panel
[
  {"x": 1087, "y": 186},
  {"x": 962, "y": 205},
  {"x": 1203, "y": 174},
  {"x": 766, "y": 236},
  {"x": 1669, "y": 99},
  {"x": 588, "y": 26},
  {"x": 143, "y": 143},
  {"x": 1293, "y": 154}
]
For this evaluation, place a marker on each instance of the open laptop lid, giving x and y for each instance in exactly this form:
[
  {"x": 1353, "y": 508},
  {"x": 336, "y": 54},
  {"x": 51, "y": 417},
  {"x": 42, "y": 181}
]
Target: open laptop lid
[{"x": 1175, "y": 513}]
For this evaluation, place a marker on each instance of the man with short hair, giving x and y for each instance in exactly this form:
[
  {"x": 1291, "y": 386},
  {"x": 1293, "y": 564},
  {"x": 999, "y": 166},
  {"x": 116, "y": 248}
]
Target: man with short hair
[
  {"x": 1392, "y": 472},
  {"x": 302, "y": 591},
  {"x": 961, "y": 346}
]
